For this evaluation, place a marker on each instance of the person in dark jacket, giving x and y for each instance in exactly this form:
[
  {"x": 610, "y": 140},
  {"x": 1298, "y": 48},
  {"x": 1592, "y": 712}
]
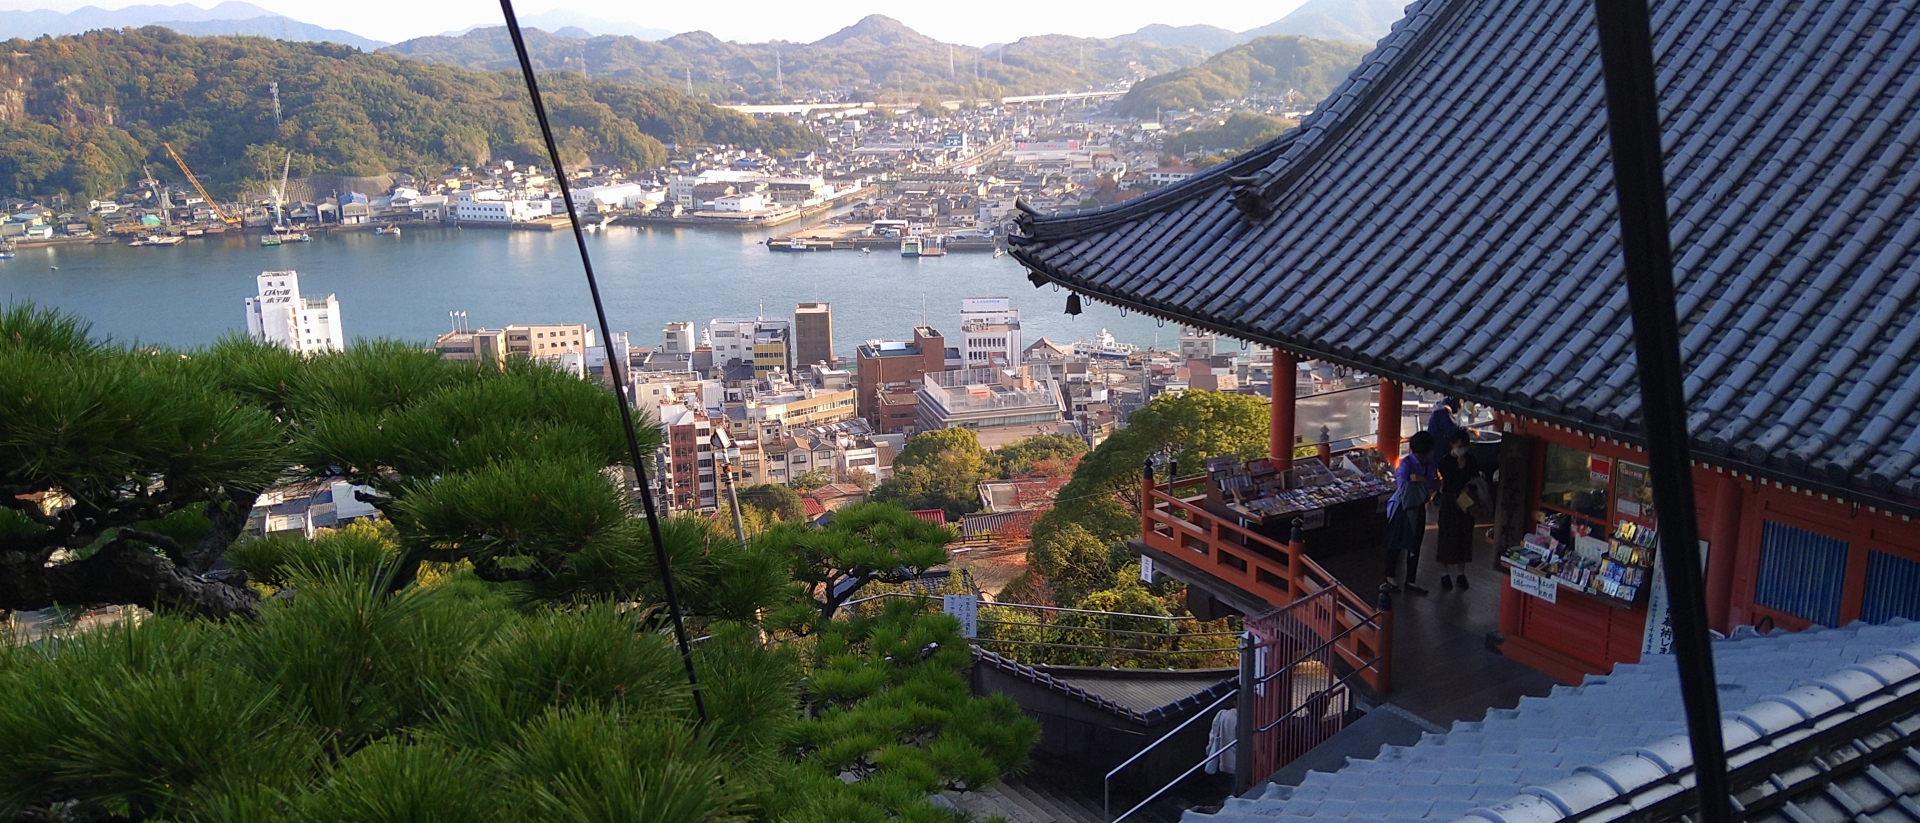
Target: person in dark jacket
[
  {"x": 1444, "y": 422},
  {"x": 1414, "y": 482},
  {"x": 1454, "y": 549}
]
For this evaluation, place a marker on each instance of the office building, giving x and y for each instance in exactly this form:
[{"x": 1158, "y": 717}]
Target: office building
[
  {"x": 1001, "y": 405},
  {"x": 989, "y": 332},
  {"x": 279, "y": 315},
  {"x": 759, "y": 345},
  {"x": 886, "y": 364},
  {"x": 812, "y": 334}
]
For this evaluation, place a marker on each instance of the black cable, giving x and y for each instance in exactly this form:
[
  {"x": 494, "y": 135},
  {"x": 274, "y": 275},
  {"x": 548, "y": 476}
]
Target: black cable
[
  {"x": 614, "y": 366},
  {"x": 1640, "y": 184}
]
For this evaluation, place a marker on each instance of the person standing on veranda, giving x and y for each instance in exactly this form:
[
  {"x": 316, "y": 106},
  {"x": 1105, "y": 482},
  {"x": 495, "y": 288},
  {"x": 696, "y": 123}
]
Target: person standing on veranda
[
  {"x": 1414, "y": 482},
  {"x": 1458, "y": 469}
]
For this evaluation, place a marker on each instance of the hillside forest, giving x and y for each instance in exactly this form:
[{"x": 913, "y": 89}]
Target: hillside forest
[
  {"x": 84, "y": 114},
  {"x": 876, "y": 58},
  {"x": 1277, "y": 66}
]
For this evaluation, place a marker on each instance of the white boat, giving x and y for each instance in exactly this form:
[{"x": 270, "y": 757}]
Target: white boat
[
  {"x": 909, "y": 247},
  {"x": 387, "y": 230},
  {"x": 158, "y": 240},
  {"x": 1103, "y": 345},
  {"x": 6, "y": 255}
]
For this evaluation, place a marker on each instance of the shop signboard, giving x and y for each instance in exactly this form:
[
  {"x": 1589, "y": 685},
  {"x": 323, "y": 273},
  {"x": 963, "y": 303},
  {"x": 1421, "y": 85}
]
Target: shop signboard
[
  {"x": 1659, "y": 635},
  {"x": 1541, "y": 586}
]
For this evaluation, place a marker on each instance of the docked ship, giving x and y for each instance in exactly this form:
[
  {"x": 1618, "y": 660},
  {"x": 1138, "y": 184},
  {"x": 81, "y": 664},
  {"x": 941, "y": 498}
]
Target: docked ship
[
  {"x": 1103, "y": 345},
  {"x": 158, "y": 240},
  {"x": 909, "y": 247}
]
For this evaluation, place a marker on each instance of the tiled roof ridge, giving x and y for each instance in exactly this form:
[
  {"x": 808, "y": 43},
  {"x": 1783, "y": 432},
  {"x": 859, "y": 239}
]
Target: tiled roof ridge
[
  {"x": 1645, "y": 774},
  {"x": 1257, "y": 167},
  {"x": 1149, "y": 717}
]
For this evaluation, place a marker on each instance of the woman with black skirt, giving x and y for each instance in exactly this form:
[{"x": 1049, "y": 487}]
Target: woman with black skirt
[{"x": 1454, "y": 548}]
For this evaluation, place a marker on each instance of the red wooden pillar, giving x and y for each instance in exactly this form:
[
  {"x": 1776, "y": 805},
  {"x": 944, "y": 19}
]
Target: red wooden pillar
[
  {"x": 1286, "y": 376},
  {"x": 1391, "y": 395},
  {"x": 1722, "y": 541}
]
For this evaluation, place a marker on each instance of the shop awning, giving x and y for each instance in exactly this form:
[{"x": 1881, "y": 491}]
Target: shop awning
[{"x": 1447, "y": 218}]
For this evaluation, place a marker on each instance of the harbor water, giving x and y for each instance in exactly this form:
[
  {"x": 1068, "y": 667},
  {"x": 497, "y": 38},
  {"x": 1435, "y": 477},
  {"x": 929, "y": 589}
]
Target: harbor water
[{"x": 403, "y": 286}]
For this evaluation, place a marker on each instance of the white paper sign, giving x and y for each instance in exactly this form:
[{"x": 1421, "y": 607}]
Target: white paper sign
[
  {"x": 1526, "y": 582},
  {"x": 1659, "y": 636},
  {"x": 1146, "y": 569},
  {"x": 966, "y": 609}
]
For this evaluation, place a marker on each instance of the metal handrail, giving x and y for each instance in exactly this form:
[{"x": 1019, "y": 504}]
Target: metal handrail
[
  {"x": 1103, "y": 630},
  {"x": 1168, "y": 735},
  {"x": 1338, "y": 683},
  {"x": 1120, "y": 650},
  {"x": 1261, "y": 681},
  {"x": 1173, "y": 618},
  {"x": 1176, "y": 781}
]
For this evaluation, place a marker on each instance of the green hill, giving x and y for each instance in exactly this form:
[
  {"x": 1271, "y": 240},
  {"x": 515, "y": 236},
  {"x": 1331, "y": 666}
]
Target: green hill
[
  {"x": 80, "y": 114},
  {"x": 875, "y": 57},
  {"x": 1269, "y": 66}
]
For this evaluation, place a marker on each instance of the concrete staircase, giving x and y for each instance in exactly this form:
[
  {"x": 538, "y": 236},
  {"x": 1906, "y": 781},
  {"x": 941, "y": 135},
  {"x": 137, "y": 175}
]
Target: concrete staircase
[{"x": 1018, "y": 801}]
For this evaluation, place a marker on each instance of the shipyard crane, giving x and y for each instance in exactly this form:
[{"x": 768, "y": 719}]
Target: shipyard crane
[{"x": 224, "y": 217}]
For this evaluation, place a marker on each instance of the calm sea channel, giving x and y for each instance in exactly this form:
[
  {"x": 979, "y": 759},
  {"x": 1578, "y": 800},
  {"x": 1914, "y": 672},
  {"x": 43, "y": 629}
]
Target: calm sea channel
[{"x": 402, "y": 287}]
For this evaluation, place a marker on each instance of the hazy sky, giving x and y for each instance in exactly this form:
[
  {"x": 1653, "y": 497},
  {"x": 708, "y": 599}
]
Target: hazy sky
[{"x": 975, "y": 22}]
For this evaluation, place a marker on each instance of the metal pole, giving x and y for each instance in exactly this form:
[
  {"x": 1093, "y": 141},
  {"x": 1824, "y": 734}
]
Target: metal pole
[
  {"x": 1280, "y": 411},
  {"x": 1633, "y": 119},
  {"x": 733, "y": 505},
  {"x": 614, "y": 366},
  {"x": 1243, "y": 718}
]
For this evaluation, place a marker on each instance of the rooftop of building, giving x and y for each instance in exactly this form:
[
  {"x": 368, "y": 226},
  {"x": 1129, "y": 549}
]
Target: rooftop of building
[
  {"x": 1616, "y": 744},
  {"x": 1448, "y": 219}
]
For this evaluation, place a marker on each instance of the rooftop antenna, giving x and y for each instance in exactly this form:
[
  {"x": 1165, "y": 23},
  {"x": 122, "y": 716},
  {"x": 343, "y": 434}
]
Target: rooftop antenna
[{"x": 275, "y": 88}]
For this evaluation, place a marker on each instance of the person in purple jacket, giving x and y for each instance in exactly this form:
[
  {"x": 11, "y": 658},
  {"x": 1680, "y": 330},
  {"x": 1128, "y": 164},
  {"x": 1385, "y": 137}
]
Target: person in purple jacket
[{"x": 1414, "y": 483}]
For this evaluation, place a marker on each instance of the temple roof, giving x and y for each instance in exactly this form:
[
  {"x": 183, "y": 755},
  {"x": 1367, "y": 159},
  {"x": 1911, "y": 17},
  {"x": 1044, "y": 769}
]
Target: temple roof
[{"x": 1447, "y": 218}]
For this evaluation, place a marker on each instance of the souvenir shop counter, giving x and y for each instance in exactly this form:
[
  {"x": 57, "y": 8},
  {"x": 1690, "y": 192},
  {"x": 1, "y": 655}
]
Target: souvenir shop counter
[{"x": 1341, "y": 508}]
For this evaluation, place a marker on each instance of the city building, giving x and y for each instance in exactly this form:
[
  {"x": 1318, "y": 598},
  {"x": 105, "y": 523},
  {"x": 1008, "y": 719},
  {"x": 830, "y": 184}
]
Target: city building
[
  {"x": 839, "y": 449},
  {"x": 989, "y": 332},
  {"x": 886, "y": 364},
  {"x": 812, "y": 334},
  {"x": 768, "y": 407},
  {"x": 1197, "y": 344},
  {"x": 677, "y": 337},
  {"x": 760, "y": 344},
  {"x": 491, "y": 207},
  {"x": 279, "y": 315},
  {"x": 568, "y": 345},
  {"x": 1001, "y": 405},
  {"x": 687, "y": 479}
]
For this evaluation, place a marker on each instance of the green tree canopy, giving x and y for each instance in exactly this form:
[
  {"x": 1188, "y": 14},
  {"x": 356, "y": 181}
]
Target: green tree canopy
[
  {"x": 1073, "y": 562},
  {"x": 1018, "y": 458},
  {"x": 1191, "y": 428},
  {"x": 781, "y": 502},
  {"x": 865, "y": 543},
  {"x": 940, "y": 469}
]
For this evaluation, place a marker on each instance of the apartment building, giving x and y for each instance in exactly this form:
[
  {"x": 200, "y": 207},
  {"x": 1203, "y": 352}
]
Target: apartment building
[
  {"x": 812, "y": 334},
  {"x": 687, "y": 481},
  {"x": 893, "y": 364},
  {"x": 1000, "y": 405},
  {"x": 989, "y": 332}
]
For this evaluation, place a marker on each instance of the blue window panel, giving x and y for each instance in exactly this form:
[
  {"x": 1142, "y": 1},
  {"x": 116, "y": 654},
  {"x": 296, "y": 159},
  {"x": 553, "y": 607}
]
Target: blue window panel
[
  {"x": 1893, "y": 589},
  {"x": 1801, "y": 573}
]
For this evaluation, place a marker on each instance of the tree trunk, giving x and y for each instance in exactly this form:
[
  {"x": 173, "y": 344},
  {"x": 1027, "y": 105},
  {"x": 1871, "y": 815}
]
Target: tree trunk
[{"x": 125, "y": 573}]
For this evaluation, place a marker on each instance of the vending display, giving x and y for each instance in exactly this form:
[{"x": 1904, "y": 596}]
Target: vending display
[
  {"x": 1600, "y": 540},
  {"x": 1256, "y": 489}
]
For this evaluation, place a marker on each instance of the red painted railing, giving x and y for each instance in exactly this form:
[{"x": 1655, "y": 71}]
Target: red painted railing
[{"x": 1278, "y": 573}]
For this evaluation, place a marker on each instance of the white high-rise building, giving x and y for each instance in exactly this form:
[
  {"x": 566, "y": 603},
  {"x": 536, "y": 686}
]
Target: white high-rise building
[
  {"x": 280, "y": 315},
  {"x": 989, "y": 332}
]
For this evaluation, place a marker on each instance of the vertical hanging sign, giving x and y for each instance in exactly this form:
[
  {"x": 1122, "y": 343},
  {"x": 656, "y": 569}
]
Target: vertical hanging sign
[
  {"x": 1146, "y": 569},
  {"x": 966, "y": 609},
  {"x": 1659, "y": 635}
]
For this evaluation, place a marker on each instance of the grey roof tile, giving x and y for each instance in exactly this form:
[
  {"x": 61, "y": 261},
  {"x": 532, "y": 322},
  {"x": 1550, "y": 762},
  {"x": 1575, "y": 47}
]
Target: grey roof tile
[
  {"x": 1477, "y": 770},
  {"x": 1447, "y": 218}
]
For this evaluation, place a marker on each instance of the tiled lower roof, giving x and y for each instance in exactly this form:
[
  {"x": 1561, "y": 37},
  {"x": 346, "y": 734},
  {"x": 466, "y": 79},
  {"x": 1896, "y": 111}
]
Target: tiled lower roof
[
  {"x": 1131, "y": 704},
  {"x": 1573, "y": 753},
  {"x": 1447, "y": 218}
]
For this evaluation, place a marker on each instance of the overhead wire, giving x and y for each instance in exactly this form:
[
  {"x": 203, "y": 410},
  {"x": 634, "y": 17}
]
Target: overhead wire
[{"x": 613, "y": 365}]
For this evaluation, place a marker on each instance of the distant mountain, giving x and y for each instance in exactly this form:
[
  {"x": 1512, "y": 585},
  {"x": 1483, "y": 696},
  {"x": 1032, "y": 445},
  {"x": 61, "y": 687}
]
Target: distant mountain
[
  {"x": 276, "y": 27},
  {"x": 1350, "y": 21},
  {"x": 226, "y": 18},
  {"x": 569, "y": 23},
  {"x": 1275, "y": 66},
  {"x": 876, "y": 56},
  {"x": 1211, "y": 38}
]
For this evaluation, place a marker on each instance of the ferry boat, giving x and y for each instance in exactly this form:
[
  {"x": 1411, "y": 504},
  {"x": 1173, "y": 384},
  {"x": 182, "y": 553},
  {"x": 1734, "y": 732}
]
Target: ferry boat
[
  {"x": 158, "y": 240},
  {"x": 269, "y": 240},
  {"x": 910, "y": 247},
  {"x": 1103, "y": 345}
]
